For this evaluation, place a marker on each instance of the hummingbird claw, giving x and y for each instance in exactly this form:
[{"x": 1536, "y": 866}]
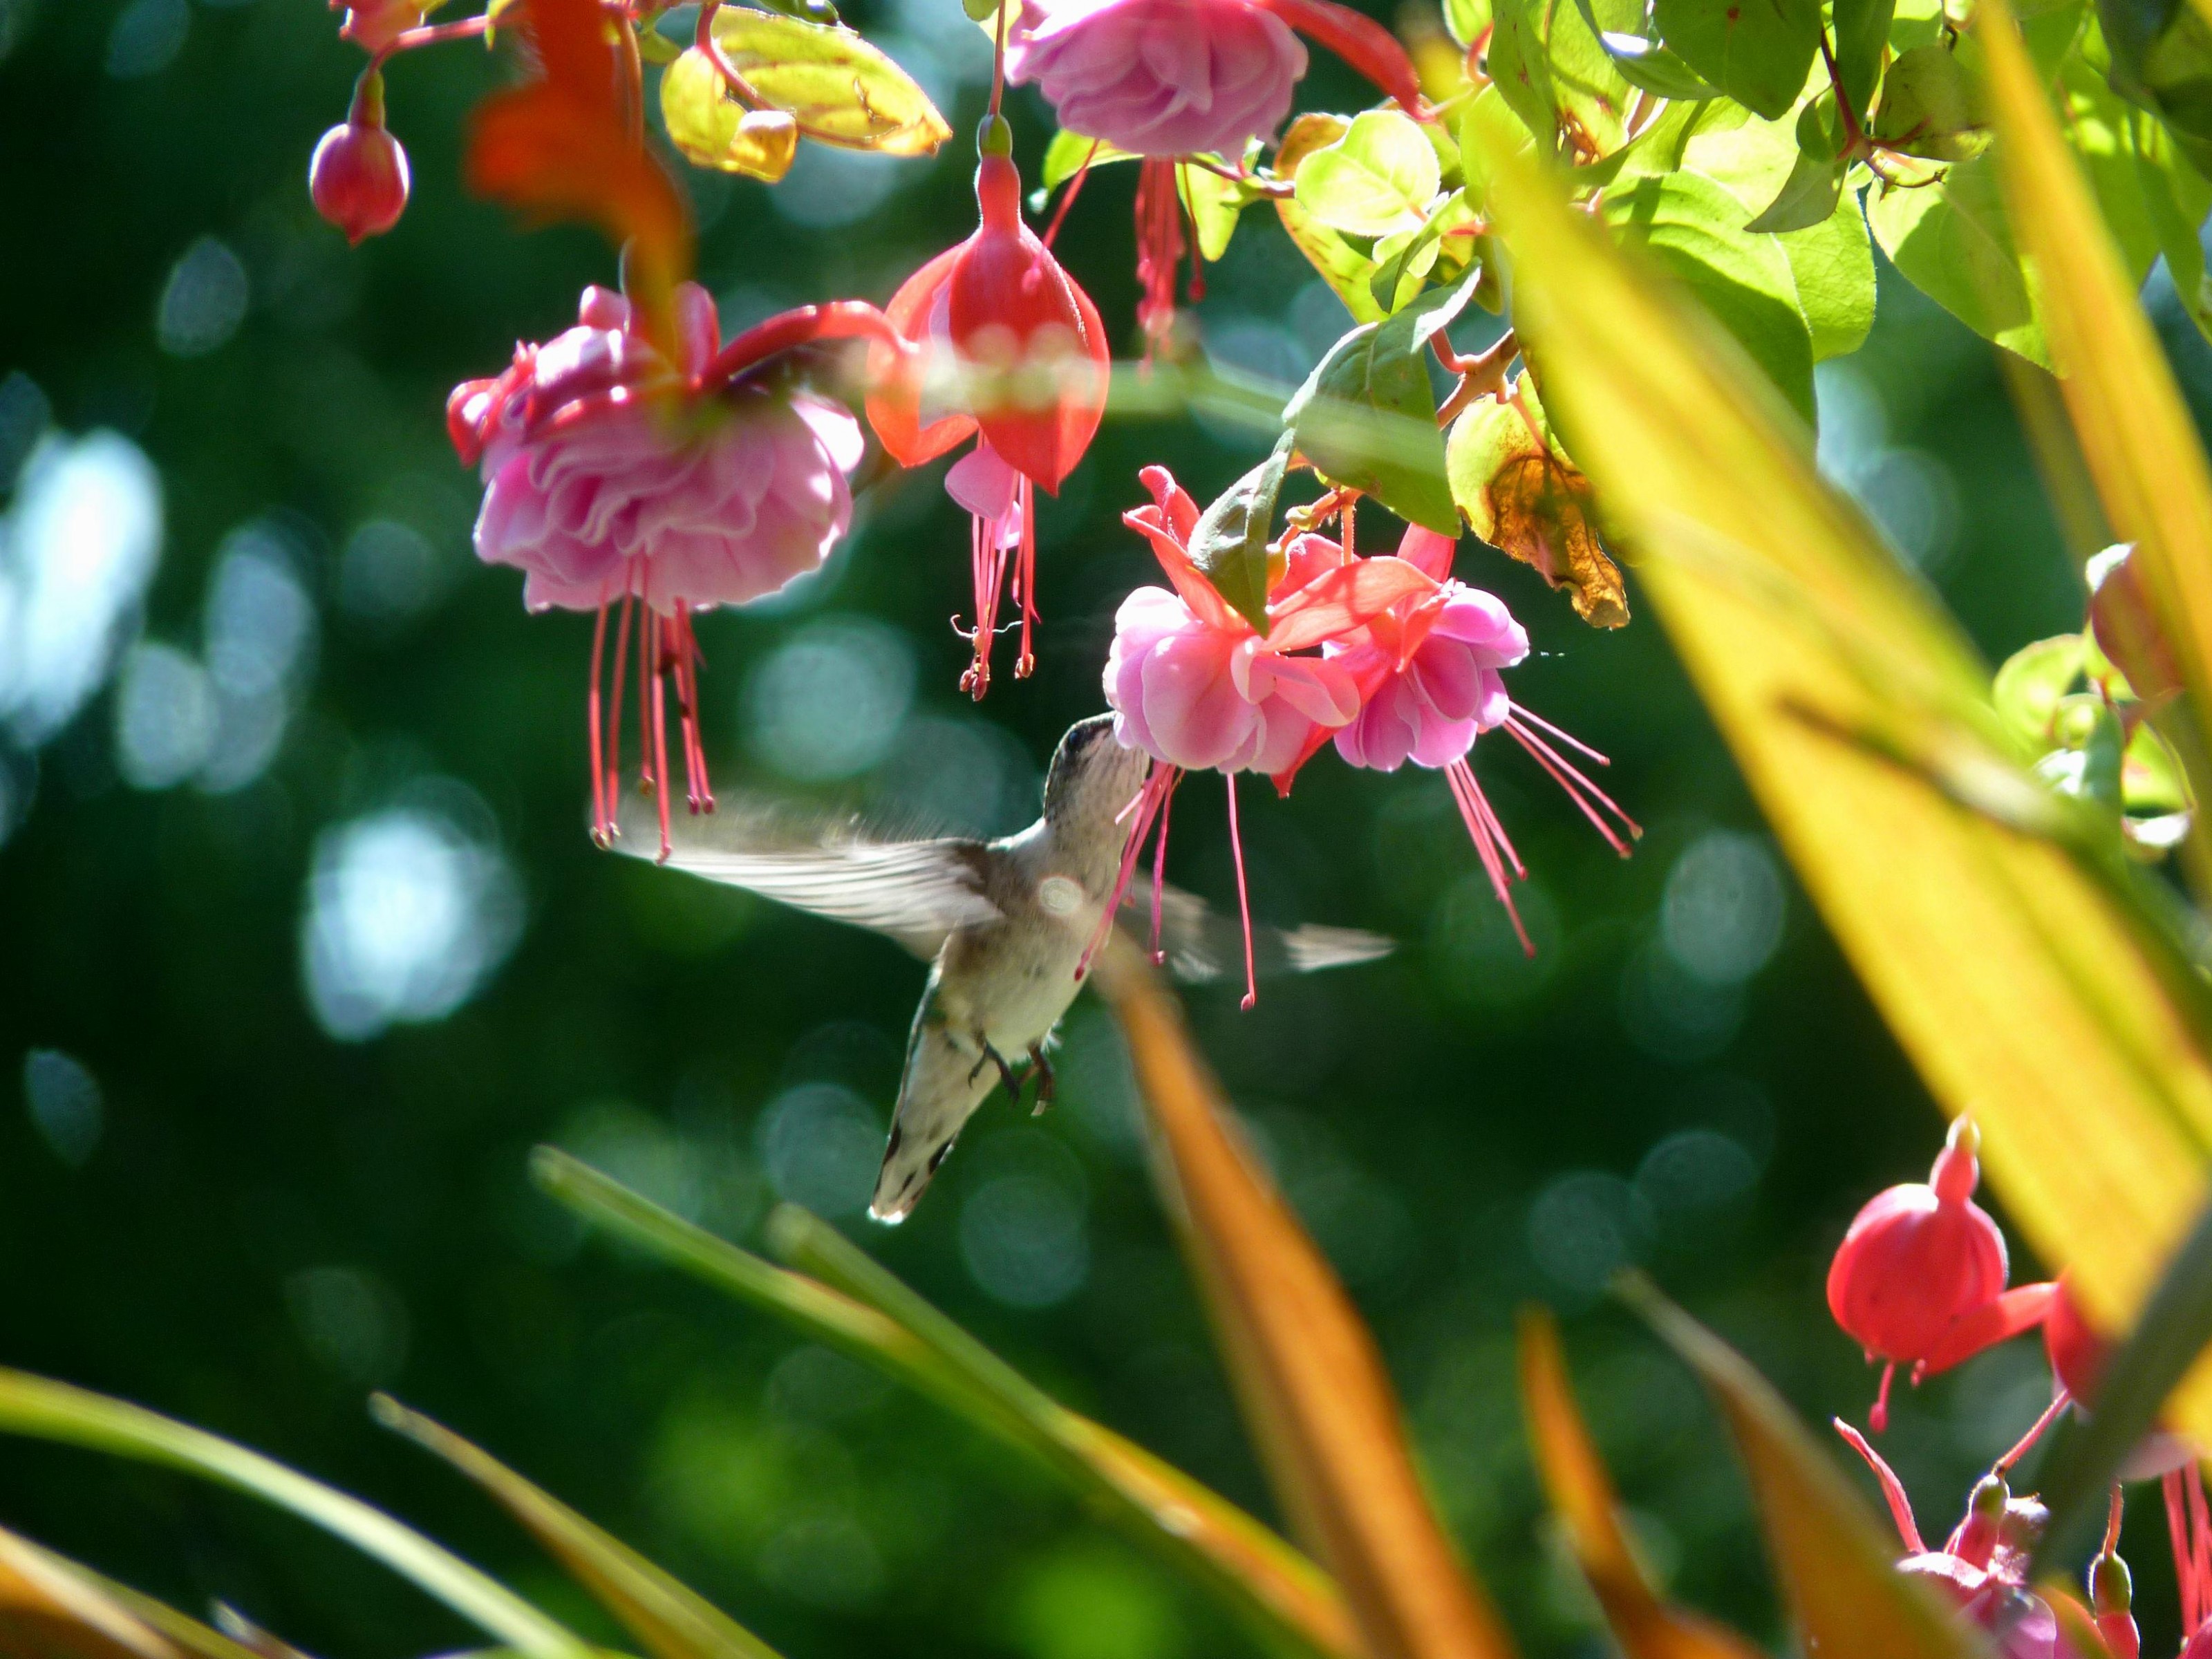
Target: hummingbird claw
[
  {"x": 1047, "y": 1084},
  {"x": 992, "y": 1056}
]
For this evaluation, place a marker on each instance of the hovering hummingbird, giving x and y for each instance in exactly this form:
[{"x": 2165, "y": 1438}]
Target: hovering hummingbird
[{"x": 1005, "y": 925}]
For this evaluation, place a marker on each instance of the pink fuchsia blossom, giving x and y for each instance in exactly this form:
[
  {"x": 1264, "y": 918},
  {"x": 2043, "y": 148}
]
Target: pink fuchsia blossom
[
  {"x": 614, "y": 475},
  {"x": 1430, "y": 671},
  {"x": 1159, "y": 77},
  {"x": 1025, "y": 356},
  {"x": 1196, "y": 686}
]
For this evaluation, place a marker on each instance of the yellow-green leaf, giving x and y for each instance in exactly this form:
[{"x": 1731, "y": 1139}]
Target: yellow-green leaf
[
  {"x": 1312, "y": 1384},
  {"x": 2024, "y": 978},
  {"x": 1341, "y": 265},
  {"x": 671, "y": 1619},
  {"x": 839, "y": 88},
  {"x": 713, "y": 130},
  {"x": 46, "y": 1409},
  {"x": 1188, "y": 1527},
  {"x": 1838, "y": 1572},
  {"x": 1582, "y": 1492}
]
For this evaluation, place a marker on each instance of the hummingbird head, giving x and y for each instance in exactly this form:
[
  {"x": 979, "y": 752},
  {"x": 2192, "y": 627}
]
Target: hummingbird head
[{"x": 1092, "y": 775}]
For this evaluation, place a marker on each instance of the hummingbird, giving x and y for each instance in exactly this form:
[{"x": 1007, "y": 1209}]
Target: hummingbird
[{"x": 1007, "y": 927}]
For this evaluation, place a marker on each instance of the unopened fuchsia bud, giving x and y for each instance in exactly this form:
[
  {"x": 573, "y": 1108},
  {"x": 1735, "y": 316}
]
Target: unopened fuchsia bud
[
  {"x": 2125, "y": 626},
  {"x": 358, "y": 177},
  {"x": 2111, "y": 1599},
  {"x": 1976, "y": 1539},
  {"x": 1918, "y": 1259}
]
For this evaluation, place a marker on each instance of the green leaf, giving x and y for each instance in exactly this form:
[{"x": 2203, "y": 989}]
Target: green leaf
[
  {"x": 1380, "y": 177},
  {"x": 1757, "y": 52},
  {"x": 46, "y": 1409},
  {"x": 1845, "y": 1595},
  {"x": 1466, "y": 21},
  {"x": 1488, "y": 124},
  {"x": 840, "y": 89},
  {"x": 1230, "y": 544},
  {"x": 1924, "y": 109},
  {"x": 1815, "y": 184},
  {"x": 1068, "y": 154},
  {"x": 1657, "y": 68},
  {"x": 1861, "y": 36},
  {"x": 1695, "y": 230},
  {"x": 2032, "y": 683},
  {"x": 1214, "y": 202},
  {"x": 1345, "y": 268},
  {"x": 2161, "y": 58},
  {"x": 2175, "y": 200},
  {"x": 1833, "y": 265},
  {"x": 712, "y": 130},
  {"x": 1522, "y": 71},
  {"x": 670, "y": 1619},
  {"x": 1366, "y": 418},
  {"x": 1588, "y": 89},
  {"x": 1191, "y": 1530},
  {"x": 1949, "y": 240}
]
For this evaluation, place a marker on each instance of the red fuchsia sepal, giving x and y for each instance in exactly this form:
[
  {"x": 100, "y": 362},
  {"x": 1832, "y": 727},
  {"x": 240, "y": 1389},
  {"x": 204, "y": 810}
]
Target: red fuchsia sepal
[
  {"x": 1917, "y": 1260},
  {"x": 1361, "y": 42},
  {"x": 619, "y": 479},
  {"x": 999, "y": 343}
]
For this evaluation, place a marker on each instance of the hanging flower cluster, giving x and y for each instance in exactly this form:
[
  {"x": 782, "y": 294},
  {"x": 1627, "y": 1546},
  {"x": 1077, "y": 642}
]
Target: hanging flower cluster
[{"x": 1919, "y": 1280}]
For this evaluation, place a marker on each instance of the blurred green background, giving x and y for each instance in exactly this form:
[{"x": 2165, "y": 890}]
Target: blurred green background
[{"x": 306, "y": 946}]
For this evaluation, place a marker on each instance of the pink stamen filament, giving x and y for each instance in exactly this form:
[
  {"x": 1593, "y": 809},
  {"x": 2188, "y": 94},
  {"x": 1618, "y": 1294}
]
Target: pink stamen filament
[
  {"x": 603, "y": 830},
  {"x": 1067, "y": 197},
  {"x": 1145, "y": 806},
  {"x": 1878, "y": 1418},
  {"x": 614, "y": 713},
  {"x": 1489, "y": 837},
  {"x": 1160, "y": 864},
  {"x": 1025, "y": 579},
  {"x": 2176, "y": 1532},
  {"x": 990, "y": 564},
  {"x": 1243, "y": 900},
  {"x": 654, "y": 626},
  {"x": 2200, "y": 1542},
  {"x": 1159, "y": 249},
  {"x": 1587, "y": 796}
]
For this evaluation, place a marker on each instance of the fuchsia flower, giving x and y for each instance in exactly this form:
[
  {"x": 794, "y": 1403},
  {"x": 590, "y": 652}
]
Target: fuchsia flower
[
  {"x": 613, "y": 474},
  {"x": 1983, "y": 1565},
  {"x": 1919, "y": 1278},
  {"x": 1429, "y": 673},
  {"x": 1196, "y": 686},
  {"x": 1167, "y": 80},
  {"x": 1013, "y": 353}
]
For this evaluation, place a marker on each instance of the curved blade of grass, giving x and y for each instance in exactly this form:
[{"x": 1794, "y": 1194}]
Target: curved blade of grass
[
  {"x": 1282, "y": 1596},
  {"x": 184, "y": 1631},
  {"x": 672, "y": 1621},
  {"x": 2173, "y": 1329},
  {"x": 1313, "y": 1386},
  {"x": 46, "y": 1409},
  {"x": 1580, "y": 1490},
  {"x": 2027, "y": 980},
  {"x": 52, "y": 1609},
  {"x": 1840, "y": 1576},
  {"x": 2128, "y": 415}
]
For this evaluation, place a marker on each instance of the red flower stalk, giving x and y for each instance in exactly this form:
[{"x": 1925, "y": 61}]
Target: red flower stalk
[{"x": 1013, "y": 353}]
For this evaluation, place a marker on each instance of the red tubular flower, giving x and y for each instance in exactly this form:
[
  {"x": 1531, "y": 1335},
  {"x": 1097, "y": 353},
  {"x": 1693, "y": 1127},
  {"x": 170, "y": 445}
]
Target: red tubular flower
[
  {"x": 1013, "y": 352},
  {"x": 1917, "y": 1260}
]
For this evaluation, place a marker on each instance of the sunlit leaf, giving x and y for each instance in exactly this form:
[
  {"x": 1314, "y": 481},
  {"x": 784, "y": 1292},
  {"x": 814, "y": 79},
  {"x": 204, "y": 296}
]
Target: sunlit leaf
[
  {"x": 46, "y": 1409},
  {"x": 1580, "y": 1490},
  {"x": 1230, "y": 544},
  {"x": 1925, "y": 109},
  {"x": 840, "y": 89},
  {"x": 1186, "y": 1527},
  {"x": 1757, "y": 52},
  {"x": 1949, "y": 240},
  {"x": 1342, "y": 266},
  {"x": 1214, "y": 204},
  {"x": 1379, "y": 177},
  {"x": 1312, "y": 1384},
  {"x": 1695, "y": 231},
  {"x": 2030, "y": 981},
  {"x": 672, "y": 1620},
  {"x": 1861, "y": 36},
  {"x": 1521, "y": 71},
  {"x": 1366, "y": 418},
  {"x": 1845, "y": 1595},
  {"x": 1808, "y": 196},
  {"x": 713, "y": 130},
  {"x": 1069, "y": 153}
]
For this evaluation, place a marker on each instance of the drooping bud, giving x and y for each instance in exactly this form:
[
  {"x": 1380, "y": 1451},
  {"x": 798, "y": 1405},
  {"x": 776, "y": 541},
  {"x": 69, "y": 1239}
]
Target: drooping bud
[
  {"x": 1975, "y": 1539},
  {"x": 358, "y": 177},
  {"x": 2112, "y": 1597},
  {"x": 2125, "y": 626},
  {"x": 1917, "y": 1258}
]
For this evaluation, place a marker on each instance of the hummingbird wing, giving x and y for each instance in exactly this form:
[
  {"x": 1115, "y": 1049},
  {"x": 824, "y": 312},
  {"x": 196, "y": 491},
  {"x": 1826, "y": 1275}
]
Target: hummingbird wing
[
  {"x": 915, "y": 892},
  {"x": 1200, "y": 944}
]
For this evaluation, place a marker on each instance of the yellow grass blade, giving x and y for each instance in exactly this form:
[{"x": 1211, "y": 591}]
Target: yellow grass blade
[
  {"x": 51, "y": 1609},
  {"x": 672, "y": 1620},
  {"x": 1580, "y": 1490},
  {"x": 1312, "y": 1383},
  {"x": 2027, "y": 981},
  {"x": 1836, "y": 1568}
]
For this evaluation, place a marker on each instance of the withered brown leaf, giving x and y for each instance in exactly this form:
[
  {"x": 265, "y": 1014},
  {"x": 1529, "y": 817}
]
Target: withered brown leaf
[{"x": 1540, "y": 513}]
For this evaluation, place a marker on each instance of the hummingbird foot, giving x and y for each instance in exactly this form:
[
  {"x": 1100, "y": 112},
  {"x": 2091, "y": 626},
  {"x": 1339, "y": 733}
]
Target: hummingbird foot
[
  {"x": 992, "y": 1057},
  {"x": 1047, "y": 1083}
]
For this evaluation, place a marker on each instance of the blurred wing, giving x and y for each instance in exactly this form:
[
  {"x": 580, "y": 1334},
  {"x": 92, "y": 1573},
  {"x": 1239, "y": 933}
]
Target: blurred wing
[
  {"x": 1200, "y": 944},
  {"x": 915, "y": 892}
]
